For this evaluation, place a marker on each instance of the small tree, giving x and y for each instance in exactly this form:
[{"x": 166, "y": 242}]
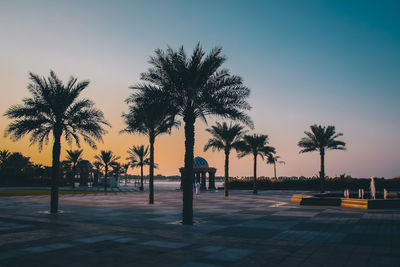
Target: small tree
[
  {"x": 138, "y": 157},
  {"x": 106, "y": 159},
  {"x": 73, "y": 157},
  {"x": 273, "y": 160},
  {"x": 4, "y": 157},
  {"x": 125, "y": 167},
  {"x": 117, "y": 170},
  {"x": 320, "y": 139},
  {"x": 255, "y": 145},
  {"x": 225, "y": 138}
]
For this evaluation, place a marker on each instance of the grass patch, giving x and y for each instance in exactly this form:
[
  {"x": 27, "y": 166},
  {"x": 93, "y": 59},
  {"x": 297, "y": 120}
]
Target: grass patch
[{"x": 40, "y": 192}]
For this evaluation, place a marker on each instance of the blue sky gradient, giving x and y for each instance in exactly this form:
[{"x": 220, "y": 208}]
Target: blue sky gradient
[{"x": 306, "y": 62}]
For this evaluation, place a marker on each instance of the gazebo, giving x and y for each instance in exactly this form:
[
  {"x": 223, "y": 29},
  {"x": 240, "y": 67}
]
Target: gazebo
[{"x": 201, "y": 169}]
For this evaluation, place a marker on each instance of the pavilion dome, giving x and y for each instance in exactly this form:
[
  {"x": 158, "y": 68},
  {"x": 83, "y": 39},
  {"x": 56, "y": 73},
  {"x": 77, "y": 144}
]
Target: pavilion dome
[{"x": 200, "y": 162}]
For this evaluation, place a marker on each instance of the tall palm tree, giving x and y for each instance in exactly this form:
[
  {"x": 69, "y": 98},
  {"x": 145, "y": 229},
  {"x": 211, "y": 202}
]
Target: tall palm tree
[
  {"x": 150, "y": 114},
  {"x": 73, "y": 157},
  {"x": 54, "y": 108},
  {"x": 106, "y": 159},
  {"x": 321, "y": 138},
  {"x": 271, "y": 159},
  {"x": 255, "y": 145},
  {"x": 138, "y": 157},
  {"x": 197, "y": 87},
  {"x": 225, "y": 138}
]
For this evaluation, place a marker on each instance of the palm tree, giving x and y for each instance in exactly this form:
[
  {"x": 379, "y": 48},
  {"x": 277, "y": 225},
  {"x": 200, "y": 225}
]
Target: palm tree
[
  {"x": 106, "y": 159},
  {"x": 197, "y": 87},
  {"x": 117, "y": 170},
  {"x": 273, "y": 160},
  {"x": 73, "y": 156},
  {"x": 97, "y": 167},
  {"x": 255, "y": 145},
  {"x": 138, "y": 157},
  {"x": 225, "y": 138},
  {"x": 321, "y": 139},
  {"x": 54, "y": 108},
  {"x": 150, "y": 114},
  {"x": 125, "y": 167},
  {"x": 4, "y": 157}
]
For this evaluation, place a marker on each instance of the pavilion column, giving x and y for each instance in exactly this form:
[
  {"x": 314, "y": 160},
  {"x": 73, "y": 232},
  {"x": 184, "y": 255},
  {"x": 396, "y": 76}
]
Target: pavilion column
[
  {"x": 203, "y": 180},
  {"x": 211, "y": 180},
  {"x": 197, "y": 177}
]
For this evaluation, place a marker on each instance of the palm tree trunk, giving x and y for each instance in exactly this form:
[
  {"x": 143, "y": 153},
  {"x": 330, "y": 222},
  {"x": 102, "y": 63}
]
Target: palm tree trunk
[
  {"x": 73, "y": 177},
  {"x": 141, "y": 178},
  {"x": 275, "y": 169},
  {"x": 187, "y": 212},
  {"x": 255, "y": 190},
  {"x": 151, "y": 171},
  {"x": 226, "y": 173},
  {"x": 322, "y": 172},
  {"x": 105, "y": 177},
  {"x": 55, "y": 171}
]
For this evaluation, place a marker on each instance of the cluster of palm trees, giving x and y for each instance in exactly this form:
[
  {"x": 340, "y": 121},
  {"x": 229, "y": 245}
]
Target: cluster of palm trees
[
  {"x": 106, "y": 162},
  {"x": 227, "y": 137},
  {"x": 176, "y": 85}
]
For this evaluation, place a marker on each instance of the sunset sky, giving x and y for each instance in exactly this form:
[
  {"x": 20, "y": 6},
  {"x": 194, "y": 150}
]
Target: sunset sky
[{"x": 324, "y": 62}]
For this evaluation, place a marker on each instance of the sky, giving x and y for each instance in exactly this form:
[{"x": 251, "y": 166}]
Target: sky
[{"x": 305, "y": 62}]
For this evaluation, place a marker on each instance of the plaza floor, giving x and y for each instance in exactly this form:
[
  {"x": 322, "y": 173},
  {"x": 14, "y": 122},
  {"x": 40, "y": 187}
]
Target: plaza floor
[{"x": 121, "y": 229}]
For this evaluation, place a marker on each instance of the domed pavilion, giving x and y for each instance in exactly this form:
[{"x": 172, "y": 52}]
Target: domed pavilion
[{"x": 201, "y": 169}]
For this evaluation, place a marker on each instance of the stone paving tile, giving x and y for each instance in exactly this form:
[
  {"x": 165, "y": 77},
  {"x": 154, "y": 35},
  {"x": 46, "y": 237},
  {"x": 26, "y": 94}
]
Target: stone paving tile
[
  {"x": 10, "y": 226},
  {"x": 198, "y": 264},
  {"x": 246, "y": 232},
  {"x": 281, "y": 225},
  {"x": 46, "y": 248},
  {"x": 230, "y": 254},
  {"x": 210, "y": 248},
  {"x": 296, "y": 213},
  {"x": 165, "y": 244},
  {"x": 125, "y": 239},
  {"x": 100, "y": 238},
  {"x": 305, "y": 236}
]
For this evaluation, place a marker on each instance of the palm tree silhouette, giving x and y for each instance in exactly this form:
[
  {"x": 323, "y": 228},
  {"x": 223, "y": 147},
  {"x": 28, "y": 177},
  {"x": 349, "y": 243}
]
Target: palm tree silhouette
[
  {"x": 4, "y": 157},
  {"x": 197, "y": 87},
  {"x": 321, "y": 139},
  {"x": 97, "y": 167},
  {"x": 106, "y": 159},
  {"x": 150, "y": 114},
  {"x": 117, "y": 170},
  {"x": 54, "y": 108},
  {"x": 73, "y": 156},
  {"x": 271, "y": 159},
  {"x": 255, "y": 145},
  {"x": 138, "y": 157},
  {"x": 225, "y": 138},
  {"x": 125, "y": 167}
]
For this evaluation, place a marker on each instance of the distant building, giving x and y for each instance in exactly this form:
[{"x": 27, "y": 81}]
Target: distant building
[{"x": 201, "y": 169}]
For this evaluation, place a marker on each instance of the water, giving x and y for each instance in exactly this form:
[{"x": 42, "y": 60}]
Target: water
[{"x": 163, "y": 185}]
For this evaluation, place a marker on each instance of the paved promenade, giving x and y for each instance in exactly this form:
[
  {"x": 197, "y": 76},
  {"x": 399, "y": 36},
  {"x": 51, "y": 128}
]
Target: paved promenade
[{"x": 121, "y": 229}]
